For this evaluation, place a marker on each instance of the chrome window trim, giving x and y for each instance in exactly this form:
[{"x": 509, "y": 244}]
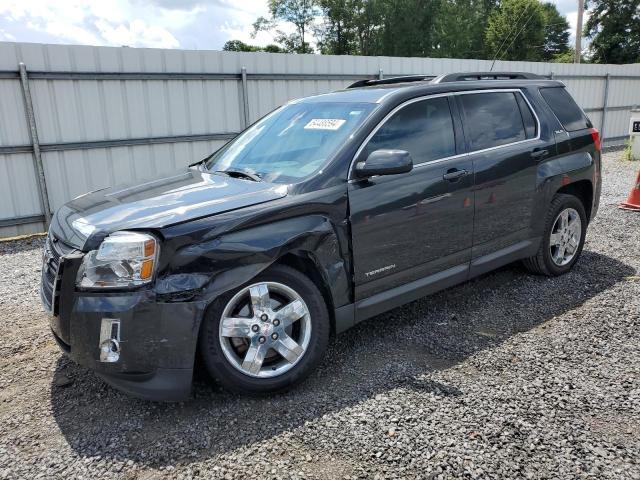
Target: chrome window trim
[{"x": 350, "y": 177}]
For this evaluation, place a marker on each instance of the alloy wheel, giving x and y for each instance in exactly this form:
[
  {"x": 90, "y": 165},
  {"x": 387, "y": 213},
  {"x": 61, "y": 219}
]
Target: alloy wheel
[
  {"x": 565, "y": 237},
  {"x": 265, "y": 329}
]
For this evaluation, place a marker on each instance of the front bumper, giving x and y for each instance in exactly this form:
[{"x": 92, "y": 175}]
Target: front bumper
[{"x": 157, "y": 340}]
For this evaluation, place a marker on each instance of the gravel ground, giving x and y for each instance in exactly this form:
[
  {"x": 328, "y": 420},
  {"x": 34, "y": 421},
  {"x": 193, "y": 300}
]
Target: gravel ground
[{"x": 507, "y": 376}]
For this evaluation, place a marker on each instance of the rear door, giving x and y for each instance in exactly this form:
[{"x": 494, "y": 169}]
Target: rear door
[
  {"x": 410, "y": 226},
  {"x": 502, "y": 135}
]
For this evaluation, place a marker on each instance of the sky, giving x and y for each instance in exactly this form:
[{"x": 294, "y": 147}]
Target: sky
[{"x": 185, "y": 24}]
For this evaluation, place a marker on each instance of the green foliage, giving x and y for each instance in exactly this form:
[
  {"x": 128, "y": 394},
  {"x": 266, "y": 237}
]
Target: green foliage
[
  {"x": 565, "y": 57},
  {"x": 556, "y": 31},
  {"x": 626, "y": 153},
  {"x": 512, "y": 29},
  {"x": 515, "y": 31},
  {"x": 299, "y": 13},
  {"x": 614, "y": 29},
  {"x": 351, "y": 27},
  {"x": 408, "y": 29},
  {"x": 240, "y": 46},
  {"x": 336, "y": 34},
  {"x": 273, "y": 48},
  {"x": 460, "y": 28}
]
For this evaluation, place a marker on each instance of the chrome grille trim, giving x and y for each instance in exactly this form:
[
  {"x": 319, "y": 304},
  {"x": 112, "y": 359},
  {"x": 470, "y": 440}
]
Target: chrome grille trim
[{"x": 53, "y": 257}]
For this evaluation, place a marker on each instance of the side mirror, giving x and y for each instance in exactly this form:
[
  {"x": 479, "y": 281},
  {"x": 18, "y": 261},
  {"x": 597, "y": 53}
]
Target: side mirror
[{"x": 385, "y": 162}]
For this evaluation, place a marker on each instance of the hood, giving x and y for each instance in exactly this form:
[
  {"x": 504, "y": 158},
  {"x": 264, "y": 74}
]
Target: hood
[{"x": 157, "y": 203}]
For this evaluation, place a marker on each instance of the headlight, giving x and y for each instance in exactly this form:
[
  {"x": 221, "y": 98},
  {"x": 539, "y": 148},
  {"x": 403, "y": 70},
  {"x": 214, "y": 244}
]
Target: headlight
[{"x": 124, "y": 259}]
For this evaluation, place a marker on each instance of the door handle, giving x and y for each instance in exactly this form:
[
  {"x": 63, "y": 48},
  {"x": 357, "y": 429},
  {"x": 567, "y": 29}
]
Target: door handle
[
  {"x": 453, "y": 174},
  {"x": 539, "y": 154}
]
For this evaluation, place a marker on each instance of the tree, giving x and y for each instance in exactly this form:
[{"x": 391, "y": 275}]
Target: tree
[
  {"x": 566, "y": 57},
  {"x": 614, "y": 29},
  {"x": 300, "y": 13},
  {"x": 273, "y": 48},
  {"x": 337, "y": 34},
  {"x": 408, "y": 28},
  {"x": 460, "y": 28},
  {"x": 369, "y": 20},
  {"x": 239, "y": 46},
  {"x": 515, "y": 31},
  {"x": 556, "y": 33}
]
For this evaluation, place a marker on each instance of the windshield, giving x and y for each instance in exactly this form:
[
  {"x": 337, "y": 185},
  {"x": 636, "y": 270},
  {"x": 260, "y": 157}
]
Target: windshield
[{"x": 292, "y": 142}]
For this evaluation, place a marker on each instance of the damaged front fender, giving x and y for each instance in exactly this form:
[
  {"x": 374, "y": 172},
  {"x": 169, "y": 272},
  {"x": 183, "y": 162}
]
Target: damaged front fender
[{"x": 206, "y": 269}]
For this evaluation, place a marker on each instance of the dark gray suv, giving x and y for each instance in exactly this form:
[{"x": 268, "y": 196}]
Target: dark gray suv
[{"x": 327, "y": 211}]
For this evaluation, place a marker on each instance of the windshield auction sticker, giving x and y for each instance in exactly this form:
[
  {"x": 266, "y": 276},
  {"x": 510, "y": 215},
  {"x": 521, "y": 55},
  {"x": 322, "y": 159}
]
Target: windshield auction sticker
[{"x": 324, "y": 124}]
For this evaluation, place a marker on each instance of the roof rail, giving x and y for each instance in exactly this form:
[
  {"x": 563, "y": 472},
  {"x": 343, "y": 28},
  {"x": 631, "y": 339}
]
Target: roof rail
[
  {"x": 460, "y": 77},
  {"x": 391, "y": 80}
]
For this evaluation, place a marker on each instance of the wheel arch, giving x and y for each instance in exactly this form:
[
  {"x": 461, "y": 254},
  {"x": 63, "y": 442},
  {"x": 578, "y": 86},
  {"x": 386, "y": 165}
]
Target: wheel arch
[
  {"x": 583, "y": 190},
  {"x": 305, "y": 263}
]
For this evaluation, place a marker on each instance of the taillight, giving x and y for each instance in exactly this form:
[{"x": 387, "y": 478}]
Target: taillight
[{"x": 595, "y": 135}]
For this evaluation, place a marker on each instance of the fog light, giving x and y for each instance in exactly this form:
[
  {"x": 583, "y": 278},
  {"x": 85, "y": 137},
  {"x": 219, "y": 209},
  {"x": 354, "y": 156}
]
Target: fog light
[{"x": 109, "y": 340}]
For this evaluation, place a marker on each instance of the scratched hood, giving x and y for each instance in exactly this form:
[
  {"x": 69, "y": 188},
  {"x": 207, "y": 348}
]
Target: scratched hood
[{"x": 186, "y": 195}]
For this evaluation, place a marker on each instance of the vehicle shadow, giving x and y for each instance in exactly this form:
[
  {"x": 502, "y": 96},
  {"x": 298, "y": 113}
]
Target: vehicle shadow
[{"x": 399, "y": 349}]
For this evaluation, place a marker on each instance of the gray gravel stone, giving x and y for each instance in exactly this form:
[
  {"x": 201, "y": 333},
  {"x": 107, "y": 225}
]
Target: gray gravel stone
[{"x": 507, "y": 376}]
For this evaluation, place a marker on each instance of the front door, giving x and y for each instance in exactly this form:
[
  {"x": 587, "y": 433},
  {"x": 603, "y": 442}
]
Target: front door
[{"x": 407, "y": 227}]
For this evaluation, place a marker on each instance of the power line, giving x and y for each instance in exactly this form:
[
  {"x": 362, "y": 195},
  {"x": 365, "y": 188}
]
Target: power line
[
  {"x": 521, "y": 30},
  {"x": 515, "y": 37},
  {"x": 515, "y": 27}
]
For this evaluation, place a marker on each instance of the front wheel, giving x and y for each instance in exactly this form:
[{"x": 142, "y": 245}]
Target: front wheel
[
  {"x": 564, "y": 235},
  {"x": 267, "y": 335}
]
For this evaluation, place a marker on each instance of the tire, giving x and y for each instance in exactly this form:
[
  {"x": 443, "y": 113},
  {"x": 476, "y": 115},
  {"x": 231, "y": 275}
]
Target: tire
[
  {"x": 546, "y": 260},
  {"x": 225, "y": 356}
]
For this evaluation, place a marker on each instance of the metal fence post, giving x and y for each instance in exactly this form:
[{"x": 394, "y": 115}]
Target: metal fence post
[
  {"x": 380, "y": 74},
  {"x": 245, "y": 98},
  {"x": 33, "y": 133},
  {"x": 605, "y": 105}
]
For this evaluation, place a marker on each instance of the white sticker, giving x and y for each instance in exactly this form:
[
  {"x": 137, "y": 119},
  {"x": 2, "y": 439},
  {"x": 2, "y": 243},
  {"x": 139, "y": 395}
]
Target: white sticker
[{"x": 324, "y": 124}]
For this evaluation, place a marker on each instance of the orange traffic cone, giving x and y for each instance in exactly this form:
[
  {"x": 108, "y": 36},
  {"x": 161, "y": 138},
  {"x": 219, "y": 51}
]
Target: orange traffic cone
[{"x": 633, "y": 201}]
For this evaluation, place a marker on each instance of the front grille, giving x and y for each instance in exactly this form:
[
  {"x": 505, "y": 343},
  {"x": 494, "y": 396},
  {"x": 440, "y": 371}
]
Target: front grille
[{"x": 52, "y": 269}]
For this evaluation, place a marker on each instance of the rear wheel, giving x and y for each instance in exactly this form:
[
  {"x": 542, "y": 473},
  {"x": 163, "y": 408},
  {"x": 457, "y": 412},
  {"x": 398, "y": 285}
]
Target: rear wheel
[
  {"x": 267, "y": 335},
  {"x": 564, "y": 235}
]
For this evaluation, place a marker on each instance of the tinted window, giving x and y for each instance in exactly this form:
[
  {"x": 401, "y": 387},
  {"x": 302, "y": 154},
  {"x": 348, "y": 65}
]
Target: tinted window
[
  {"x": 567, "y": 111},
  {"x": 492, "y": 119},
  {"x": 424, "y": 129},
  {"x": 530, "y": 126}
]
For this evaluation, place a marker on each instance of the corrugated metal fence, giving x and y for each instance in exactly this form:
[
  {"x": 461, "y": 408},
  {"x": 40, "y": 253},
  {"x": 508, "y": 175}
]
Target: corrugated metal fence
[{"x": 77, "y": 118}]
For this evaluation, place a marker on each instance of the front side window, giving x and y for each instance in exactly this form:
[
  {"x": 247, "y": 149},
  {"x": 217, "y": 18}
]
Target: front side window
[
  {"x": 423, "y": 128},
  {"x": 292, "y": 142},
  {"x": 492, "y": 119}
]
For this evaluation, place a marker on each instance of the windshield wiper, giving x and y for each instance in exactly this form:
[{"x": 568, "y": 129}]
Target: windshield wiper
[{"x": 240, "y": 174}]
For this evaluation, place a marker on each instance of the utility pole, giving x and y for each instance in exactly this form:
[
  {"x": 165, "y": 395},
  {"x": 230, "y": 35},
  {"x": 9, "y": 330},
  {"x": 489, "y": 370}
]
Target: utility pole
[{"x": 579, "y": 32}]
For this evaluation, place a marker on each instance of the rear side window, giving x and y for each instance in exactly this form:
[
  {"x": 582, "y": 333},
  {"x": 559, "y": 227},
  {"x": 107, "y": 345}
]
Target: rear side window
[
  {"x": 492, "y": 119},
  {"x": 423, "y": 128},
  {"x": 565, "y": 108}
]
